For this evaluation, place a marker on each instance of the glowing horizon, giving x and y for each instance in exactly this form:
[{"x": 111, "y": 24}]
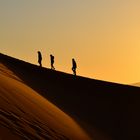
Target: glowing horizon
[{"x": 103, "y": 36}]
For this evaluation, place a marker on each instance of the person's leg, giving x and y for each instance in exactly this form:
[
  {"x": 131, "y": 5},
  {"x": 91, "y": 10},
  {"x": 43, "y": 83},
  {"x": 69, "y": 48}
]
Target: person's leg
[
  {"x": 40, "y": 63},
  {"x": 53, "y": 65},
  {"x": 74, "y": 71}
]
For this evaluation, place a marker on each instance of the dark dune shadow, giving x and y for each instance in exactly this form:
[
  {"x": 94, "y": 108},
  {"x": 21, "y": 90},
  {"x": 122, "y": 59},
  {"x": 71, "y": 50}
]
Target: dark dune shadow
[{"x": 111, "y": 109}]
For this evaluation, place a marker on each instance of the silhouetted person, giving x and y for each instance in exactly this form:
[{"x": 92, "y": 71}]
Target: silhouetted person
[
  {"x": 74, "y": 66},
  {"x": 52, "y": 61},
  {"x": 39, "y": 58}
]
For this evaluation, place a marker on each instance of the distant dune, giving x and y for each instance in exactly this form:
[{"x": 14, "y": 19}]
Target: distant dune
[
  {"x": 136, "y": 84},
  {"x": 99, "y": 109}
]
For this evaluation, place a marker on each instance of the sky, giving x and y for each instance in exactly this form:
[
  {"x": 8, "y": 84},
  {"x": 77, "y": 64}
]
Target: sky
[{"x": 102, "y": 35}]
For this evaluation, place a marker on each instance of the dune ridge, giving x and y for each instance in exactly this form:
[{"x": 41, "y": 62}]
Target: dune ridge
[{"x": 105, "y": 110}]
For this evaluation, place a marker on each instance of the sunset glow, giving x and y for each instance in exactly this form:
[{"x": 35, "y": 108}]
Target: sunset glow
[{"x": 102, "y": 35}]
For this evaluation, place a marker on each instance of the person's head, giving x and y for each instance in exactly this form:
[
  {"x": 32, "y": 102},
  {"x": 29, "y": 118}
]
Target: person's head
[
  {"x": 73, "y": 59},
  {"x": 39, "y": 52}
]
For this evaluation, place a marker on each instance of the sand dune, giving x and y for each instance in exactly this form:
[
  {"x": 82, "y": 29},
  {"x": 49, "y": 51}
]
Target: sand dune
[
  {"x": 24, "y": 114},
  {"x": 106, "y": 111},
  {"x": 136, "y": 84}
]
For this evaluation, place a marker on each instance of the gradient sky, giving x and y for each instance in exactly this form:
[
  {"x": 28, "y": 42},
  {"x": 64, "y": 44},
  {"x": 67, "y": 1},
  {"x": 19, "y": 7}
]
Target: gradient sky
[{"x": 102, "y": 35}]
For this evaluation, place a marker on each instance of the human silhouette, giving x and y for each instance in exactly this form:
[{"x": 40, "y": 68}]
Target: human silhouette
[
  {"x": 74, "y": 66},
  {"x": 39, "y": 58},
  {"x": 52, "y": 61}
]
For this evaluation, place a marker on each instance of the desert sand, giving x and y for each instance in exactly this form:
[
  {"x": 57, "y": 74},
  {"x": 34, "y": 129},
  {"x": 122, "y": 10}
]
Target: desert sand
[
  {"x": 39, "y": 103},
  {"x": 136, "y": 84},
  {"x": 24, "y": 114}
]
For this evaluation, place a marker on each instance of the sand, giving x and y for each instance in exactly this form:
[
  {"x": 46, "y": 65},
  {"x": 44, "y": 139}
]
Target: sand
[
  {"x": 102, "y": 110},
  {"x": 24, "y": 114}
]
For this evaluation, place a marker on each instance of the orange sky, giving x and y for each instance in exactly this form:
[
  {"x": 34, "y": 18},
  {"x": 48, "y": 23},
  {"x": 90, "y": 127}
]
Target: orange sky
[{"x": 102, "y": 35}]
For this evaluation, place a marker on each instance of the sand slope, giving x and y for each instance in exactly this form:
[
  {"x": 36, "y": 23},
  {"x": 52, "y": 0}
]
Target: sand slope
[
  {"x": 105, "y": 110},
  {"x": 24, "y": 114},
  {"x": 136, "y": 84}
]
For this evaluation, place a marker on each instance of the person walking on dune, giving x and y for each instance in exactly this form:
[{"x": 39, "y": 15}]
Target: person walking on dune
[
  {"x": 74, "y": 66},
  {"x": 52, "y": 61},
  {"x": 39, "y": 58}
]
